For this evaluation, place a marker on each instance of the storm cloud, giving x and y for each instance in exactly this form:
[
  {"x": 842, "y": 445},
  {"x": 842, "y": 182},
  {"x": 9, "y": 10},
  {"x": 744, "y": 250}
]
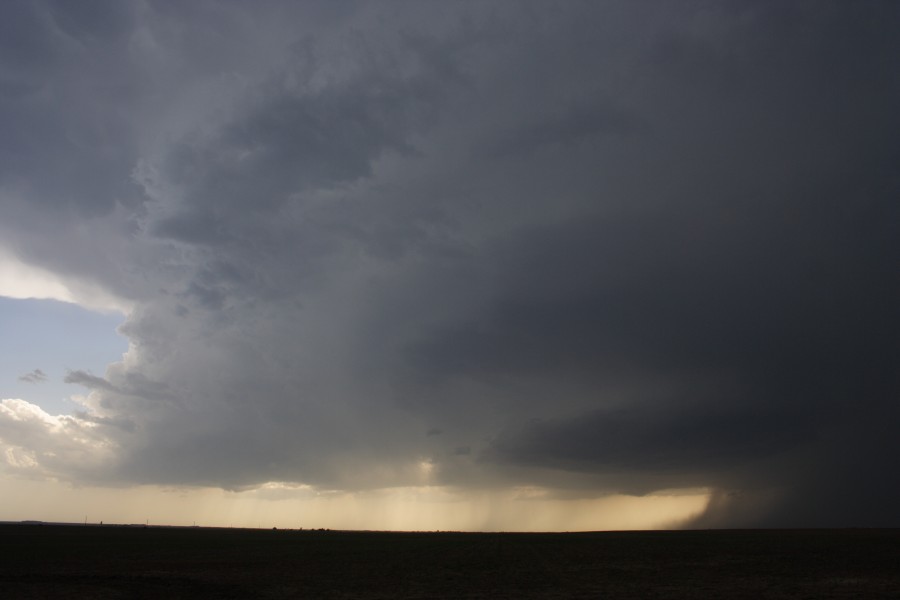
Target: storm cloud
[{"x": 596, "y": 247}]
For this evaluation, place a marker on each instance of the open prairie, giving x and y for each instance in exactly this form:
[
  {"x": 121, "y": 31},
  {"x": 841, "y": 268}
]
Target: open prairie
[{"x": 76, "y": 561}]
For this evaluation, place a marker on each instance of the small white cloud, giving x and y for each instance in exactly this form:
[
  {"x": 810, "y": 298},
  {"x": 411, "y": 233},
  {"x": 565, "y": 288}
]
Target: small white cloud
[{"x": 52, "y": 445}]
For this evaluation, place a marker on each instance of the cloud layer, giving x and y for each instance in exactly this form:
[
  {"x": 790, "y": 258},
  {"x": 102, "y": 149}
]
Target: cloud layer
[{"x": 597, "y": 248}]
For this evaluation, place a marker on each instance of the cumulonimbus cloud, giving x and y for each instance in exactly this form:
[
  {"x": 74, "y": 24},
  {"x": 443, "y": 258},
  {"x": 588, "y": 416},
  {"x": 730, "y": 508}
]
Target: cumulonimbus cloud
[{"x": 570, "y": 246}]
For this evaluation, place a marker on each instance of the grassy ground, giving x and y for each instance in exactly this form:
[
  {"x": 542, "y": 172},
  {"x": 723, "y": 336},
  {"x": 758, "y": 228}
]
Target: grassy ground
[{"x": 44, "y": 561}]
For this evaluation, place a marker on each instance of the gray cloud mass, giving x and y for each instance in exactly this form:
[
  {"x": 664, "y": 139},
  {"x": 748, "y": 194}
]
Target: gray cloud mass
[{"x": 598, "y": 247}]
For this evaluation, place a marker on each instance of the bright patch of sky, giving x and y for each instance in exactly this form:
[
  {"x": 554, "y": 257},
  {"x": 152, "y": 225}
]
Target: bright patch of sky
[
  {"x": 43, "y": 339},
  {"x": 398, "y": 509}
]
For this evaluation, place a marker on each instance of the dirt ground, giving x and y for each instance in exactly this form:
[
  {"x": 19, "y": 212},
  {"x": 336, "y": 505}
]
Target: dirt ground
[{"x": 77, "y": 561}]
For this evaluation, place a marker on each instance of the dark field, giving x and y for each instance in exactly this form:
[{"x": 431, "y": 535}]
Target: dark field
[{"x": 44, "y": 561}]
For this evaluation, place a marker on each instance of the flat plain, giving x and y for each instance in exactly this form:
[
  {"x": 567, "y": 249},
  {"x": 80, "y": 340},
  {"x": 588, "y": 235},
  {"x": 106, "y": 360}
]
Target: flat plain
[{"x": 84, "y": 561}]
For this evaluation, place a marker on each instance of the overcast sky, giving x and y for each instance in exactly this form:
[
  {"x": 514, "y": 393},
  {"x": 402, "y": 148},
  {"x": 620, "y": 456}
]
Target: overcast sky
[{"x": 575, "y": 250}]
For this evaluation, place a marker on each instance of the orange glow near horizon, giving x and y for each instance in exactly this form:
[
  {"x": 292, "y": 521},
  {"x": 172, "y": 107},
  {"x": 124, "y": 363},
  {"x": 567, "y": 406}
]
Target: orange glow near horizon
[{"x": 289, "y": 506}]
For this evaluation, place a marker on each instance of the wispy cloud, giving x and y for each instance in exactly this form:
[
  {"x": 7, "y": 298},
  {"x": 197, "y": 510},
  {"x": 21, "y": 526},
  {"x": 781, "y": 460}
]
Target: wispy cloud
[
  {"x": 36, "y": 376},
  {"x": 89, "y": 381}
]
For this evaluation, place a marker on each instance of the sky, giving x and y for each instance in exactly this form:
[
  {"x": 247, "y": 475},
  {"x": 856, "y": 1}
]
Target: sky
[
  {"x": 484, "y": 265},
  {"x": 59, "y": 336}
]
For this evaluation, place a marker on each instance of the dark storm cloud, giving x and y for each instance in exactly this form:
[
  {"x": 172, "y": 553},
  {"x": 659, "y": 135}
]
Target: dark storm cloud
[
  {"x": 601, "y": 247},
  {"x": 687, "y": 438},
  {"x": 43, "y": 49}
]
